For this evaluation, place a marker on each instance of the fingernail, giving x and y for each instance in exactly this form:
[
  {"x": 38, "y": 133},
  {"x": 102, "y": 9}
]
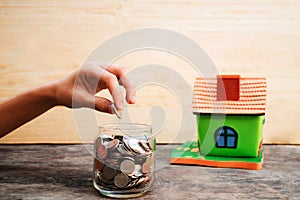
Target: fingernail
[{"x": 132, "y": 98}]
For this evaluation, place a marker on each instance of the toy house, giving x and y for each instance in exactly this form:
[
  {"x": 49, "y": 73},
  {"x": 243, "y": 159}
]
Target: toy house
[{"x": 230, "y": 112}]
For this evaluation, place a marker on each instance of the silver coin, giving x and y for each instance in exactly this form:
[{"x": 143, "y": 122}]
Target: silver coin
[
  {"x": 106, "y": 138},
  {"x": 140, "y": 181},
  {"x": 123, "y": 150},
  {"x": 121, "y": 180},
  {"x": 145, "y": 145},
  {"x": 134, "y": 146},
  {"x": 137, "y": 171},
  {"x": 133, "y": 182},
  {"x": 117, "y": 112},
  {"x": 127, "y": 166},
  {"x": 115, "y": 154}
]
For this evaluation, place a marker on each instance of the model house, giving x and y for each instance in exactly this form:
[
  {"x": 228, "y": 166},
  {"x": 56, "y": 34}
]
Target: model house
[{"x": 230, "y": 114}]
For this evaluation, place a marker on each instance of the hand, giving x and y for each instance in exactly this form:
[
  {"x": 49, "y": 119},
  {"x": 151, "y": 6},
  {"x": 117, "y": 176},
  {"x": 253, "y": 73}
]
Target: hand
[
  {"x": 79, "y": 88},
  {"x": 75, "y": 91}
]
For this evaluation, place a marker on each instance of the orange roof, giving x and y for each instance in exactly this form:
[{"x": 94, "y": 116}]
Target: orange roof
[{"x": 230, "y": 94}]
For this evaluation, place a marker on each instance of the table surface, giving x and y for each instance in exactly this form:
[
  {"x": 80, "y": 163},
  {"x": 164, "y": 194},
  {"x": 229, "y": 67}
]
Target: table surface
[{"x": 65, "y": 172}]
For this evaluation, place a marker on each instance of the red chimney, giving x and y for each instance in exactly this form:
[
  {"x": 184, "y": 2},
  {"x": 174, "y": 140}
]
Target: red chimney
[{"x": 228, "y": 87}]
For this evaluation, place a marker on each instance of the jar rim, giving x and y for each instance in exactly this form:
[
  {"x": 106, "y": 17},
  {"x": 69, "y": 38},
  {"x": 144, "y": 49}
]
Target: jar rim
[{"x": 124, "y": 127}]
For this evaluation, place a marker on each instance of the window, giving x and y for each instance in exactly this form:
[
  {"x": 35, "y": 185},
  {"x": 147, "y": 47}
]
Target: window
[{"x": 226, "y": 137}]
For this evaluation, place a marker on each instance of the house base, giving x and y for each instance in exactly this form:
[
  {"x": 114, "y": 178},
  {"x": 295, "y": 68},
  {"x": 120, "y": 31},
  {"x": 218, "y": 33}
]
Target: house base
[{"x": 188, "y": 154}]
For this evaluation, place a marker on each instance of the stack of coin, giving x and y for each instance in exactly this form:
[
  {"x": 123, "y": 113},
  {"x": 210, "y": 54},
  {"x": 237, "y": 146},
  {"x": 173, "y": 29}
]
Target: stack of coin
[{"x": 123, "y": 162}]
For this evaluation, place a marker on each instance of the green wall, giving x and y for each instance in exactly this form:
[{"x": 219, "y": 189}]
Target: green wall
[{"x": 248, "y": 127}]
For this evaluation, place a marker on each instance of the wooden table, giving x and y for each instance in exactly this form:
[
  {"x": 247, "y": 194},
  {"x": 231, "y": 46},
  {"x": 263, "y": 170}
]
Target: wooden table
[{"x": 65, "y": 172}]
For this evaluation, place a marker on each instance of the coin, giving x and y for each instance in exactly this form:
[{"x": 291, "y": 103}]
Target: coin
[
  {"x": 98, "y": 141},
  {"x": 145, "y": 145},
  {"x": 118, "y": 137},
  {"x": 109, "y": 172},
  {"x": 115, "y": 154},
  {"x": 133, "y": 182},
  {"x": 149, "y": 160},
  {"x": 112, "y": 144},
  {"x": 105, "y": 181},
  {"x": 127, "y": 166},
  {"x": 137, "y": 171},
  {"x": 121, "y": 180},
  {"x": 140, "y": 180},
  {"x": 106, "y": 138},
  {"x": 123, "y": 150},
  {"x": 117, "y": 112},
  {"x": 140, "y": 159},
  {"x": 134, "y": 146},
  {"x": 127, "y": 148},
  {"x": 146, "y": 168},
  {"x": 101, "y": 151},
  {"x": 98, "y": 164},
  {"x": 128, "y": 161},
  {"x": 147, "y": 179}
]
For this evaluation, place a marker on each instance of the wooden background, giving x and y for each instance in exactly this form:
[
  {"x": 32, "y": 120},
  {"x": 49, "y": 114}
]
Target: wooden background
[{"x": 42, "y": 40}]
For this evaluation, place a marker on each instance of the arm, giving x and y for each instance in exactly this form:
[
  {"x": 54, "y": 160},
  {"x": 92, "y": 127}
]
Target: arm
[
  {"x": 74, "y": 91},
  {"x": 26, "y": 106}
]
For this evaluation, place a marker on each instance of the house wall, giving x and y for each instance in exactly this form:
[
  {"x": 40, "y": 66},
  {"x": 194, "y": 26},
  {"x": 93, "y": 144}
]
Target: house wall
[
  {"x": 45, "y": 40},
  {"x": 249, "y": 129}
]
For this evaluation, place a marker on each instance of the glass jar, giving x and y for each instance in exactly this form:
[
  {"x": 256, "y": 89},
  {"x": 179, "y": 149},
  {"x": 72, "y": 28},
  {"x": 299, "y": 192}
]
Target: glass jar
[{"x": 124, "y": 160}]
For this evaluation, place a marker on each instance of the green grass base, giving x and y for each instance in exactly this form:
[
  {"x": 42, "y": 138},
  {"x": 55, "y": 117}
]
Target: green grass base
[{"x": 188, "y": 153}]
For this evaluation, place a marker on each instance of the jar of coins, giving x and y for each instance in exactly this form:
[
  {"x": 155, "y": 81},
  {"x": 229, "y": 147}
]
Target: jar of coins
[{"x": 124, "y": 160}]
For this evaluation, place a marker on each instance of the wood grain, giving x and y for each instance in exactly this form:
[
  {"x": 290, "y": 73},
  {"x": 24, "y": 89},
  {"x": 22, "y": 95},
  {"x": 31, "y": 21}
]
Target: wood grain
[
  {"x": 28, "y": 171},
  {"x": 44, "y": 40}
]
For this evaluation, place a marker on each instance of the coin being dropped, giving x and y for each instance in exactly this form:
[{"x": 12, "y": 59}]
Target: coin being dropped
[
  {"x": 109, "y": 172},
  {"x": 117, "y": 112},
  {"x": 127, "y": 167},
  {"x": 121, "y": 180}
]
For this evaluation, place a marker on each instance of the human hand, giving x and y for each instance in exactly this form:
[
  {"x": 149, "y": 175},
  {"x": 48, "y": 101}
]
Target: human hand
[{"x": 79, "y": 88}]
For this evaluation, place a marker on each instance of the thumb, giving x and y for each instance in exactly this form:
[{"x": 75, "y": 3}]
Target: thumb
[{"x": 103, "y": 105}]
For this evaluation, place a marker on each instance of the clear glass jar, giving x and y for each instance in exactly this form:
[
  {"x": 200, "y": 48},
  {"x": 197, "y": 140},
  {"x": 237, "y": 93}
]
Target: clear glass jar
[{"x": 124, "y": 160}]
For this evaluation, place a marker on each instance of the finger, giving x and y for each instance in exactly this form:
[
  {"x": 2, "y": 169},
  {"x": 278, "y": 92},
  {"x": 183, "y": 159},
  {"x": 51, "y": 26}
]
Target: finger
[
  {"x": 103, "y": 105},
  {"x": 112, "y": 84},
  {"x": 120, "y": 72}
]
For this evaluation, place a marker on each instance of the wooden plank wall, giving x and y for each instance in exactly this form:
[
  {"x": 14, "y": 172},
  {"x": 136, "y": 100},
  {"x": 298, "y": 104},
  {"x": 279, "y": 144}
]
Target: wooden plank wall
[{"x": 42, "y": 40}]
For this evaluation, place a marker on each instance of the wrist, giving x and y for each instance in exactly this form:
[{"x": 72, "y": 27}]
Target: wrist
[{"x": 49, "y": 93}]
